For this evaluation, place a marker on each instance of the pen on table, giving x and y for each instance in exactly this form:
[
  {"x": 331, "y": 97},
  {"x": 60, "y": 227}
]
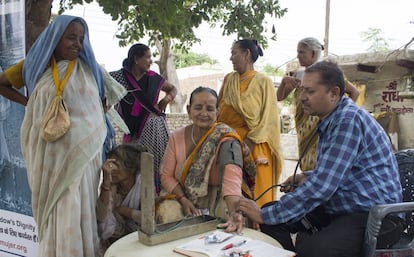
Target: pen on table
[{"x": 233, "y": 245}]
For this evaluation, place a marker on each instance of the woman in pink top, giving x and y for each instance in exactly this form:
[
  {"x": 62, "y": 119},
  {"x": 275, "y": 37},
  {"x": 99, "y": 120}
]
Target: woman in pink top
[{"x": 204, "y": 166}]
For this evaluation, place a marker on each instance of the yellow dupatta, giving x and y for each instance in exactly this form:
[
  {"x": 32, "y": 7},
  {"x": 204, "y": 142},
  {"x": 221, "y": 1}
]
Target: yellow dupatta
[
  {"x": 191, "y": 157},
  {"x": 248, "y": 104},
  {"x": 262, "y": 119},
  {"x": 189, "y": 162},
  {"x": 253, "y": 97}
]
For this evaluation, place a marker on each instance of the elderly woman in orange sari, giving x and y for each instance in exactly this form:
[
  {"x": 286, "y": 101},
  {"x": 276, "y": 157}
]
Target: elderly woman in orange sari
[{"x": 247, "y": 103}]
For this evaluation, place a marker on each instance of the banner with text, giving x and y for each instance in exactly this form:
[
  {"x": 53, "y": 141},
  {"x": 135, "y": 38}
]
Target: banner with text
[{"x": 18, "y": 234}]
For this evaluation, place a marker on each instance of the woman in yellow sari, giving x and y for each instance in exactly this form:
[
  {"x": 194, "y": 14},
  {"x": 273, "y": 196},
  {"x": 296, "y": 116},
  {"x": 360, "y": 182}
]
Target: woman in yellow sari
[
  {"x": 203, "y": 162},
  {"x": 247, "y": 103}
]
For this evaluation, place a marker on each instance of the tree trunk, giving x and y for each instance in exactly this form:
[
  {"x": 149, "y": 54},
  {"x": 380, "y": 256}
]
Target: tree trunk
[
  {"x": 38, "y": 14},
  {"x": 168, "y": 71}
]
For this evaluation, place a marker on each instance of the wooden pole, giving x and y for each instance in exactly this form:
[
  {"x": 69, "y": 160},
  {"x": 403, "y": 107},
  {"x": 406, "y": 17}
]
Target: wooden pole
[
  {"x": 147, "y": 194},
  {"x": 326, "y": 40}
]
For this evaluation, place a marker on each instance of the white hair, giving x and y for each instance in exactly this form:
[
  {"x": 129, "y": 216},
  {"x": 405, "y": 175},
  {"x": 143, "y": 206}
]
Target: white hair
[{"x": 313, "y": 44}]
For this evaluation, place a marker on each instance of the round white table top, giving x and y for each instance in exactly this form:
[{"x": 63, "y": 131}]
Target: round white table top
[{"x": 130, "y": 246}]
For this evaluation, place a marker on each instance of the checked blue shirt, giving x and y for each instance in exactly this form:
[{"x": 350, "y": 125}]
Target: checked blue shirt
[{"x": 355, "y": 169}]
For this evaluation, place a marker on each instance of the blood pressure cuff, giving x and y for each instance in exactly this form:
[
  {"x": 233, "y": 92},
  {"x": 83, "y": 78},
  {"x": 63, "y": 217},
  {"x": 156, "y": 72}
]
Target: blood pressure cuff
[{"x": 230, "y": 153}]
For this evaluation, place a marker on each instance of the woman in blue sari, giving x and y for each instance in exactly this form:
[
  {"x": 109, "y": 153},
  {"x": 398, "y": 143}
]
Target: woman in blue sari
[{"x": 63, "y": 175}]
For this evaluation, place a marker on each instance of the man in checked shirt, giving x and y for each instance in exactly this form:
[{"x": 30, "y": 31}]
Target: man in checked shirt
[{"x": 355, "y": 170}]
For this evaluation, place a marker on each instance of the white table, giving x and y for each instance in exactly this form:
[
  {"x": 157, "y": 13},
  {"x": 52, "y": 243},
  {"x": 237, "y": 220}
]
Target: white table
[{"x": 130, "y": 246}]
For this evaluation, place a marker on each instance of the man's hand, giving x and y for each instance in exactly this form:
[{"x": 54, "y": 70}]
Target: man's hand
[{"x": 292, "y": 182}]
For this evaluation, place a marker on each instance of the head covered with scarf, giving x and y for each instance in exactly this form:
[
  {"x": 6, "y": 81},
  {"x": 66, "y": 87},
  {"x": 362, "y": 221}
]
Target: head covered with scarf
[{"x": 42, "y": 50}]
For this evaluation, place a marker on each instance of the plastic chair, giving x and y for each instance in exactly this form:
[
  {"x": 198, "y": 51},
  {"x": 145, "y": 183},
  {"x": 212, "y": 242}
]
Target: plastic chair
[{"x": 405, "y": 247}]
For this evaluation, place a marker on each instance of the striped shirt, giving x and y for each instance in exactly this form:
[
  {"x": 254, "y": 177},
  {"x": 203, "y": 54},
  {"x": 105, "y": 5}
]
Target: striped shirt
[{"x": 355, "y": 170}]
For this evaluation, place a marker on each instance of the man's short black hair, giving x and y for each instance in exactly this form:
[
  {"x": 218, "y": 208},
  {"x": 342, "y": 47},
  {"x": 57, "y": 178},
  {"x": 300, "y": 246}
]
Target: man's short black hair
[{"x": 331, "y": 74}]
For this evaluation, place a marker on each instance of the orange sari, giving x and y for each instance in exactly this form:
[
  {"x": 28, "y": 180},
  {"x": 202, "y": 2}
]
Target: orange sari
[{"x": 263, "y": 129}]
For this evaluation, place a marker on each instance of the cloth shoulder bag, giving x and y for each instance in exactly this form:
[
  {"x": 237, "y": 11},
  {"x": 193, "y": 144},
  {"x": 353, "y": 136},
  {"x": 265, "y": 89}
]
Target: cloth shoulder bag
[{"x": 56, "y": 121}]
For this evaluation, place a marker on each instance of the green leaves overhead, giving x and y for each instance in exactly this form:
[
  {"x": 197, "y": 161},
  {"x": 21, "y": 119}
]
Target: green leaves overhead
[{"x": 177, "y": 19}]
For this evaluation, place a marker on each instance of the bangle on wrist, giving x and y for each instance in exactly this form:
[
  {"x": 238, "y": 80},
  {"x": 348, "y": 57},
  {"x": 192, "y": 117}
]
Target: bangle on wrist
[{"x": 105, "y": 188}]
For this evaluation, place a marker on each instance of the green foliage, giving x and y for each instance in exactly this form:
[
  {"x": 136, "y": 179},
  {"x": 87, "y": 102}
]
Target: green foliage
[
  {"x": 187, "y": 59},
  {"x": 246, "y": 18},
  {"x": 269, "y": 69},
  {"x": 289, "y": 100},
  {"x": 376, "y": 37},
  {"x": 176, "y": 19}
]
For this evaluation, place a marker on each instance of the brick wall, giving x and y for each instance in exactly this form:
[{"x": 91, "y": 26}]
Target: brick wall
[
  {"x": 177, "y": 120},
  {"x": 174, "y": 121}
]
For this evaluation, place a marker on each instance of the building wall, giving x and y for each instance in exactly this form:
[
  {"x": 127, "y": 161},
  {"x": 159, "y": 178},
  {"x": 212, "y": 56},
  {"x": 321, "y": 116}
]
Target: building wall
[
  {"x": 212, "y": 81},
  {"x": 383, "y": 87},
  {"x": 177, "y": 120}
]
